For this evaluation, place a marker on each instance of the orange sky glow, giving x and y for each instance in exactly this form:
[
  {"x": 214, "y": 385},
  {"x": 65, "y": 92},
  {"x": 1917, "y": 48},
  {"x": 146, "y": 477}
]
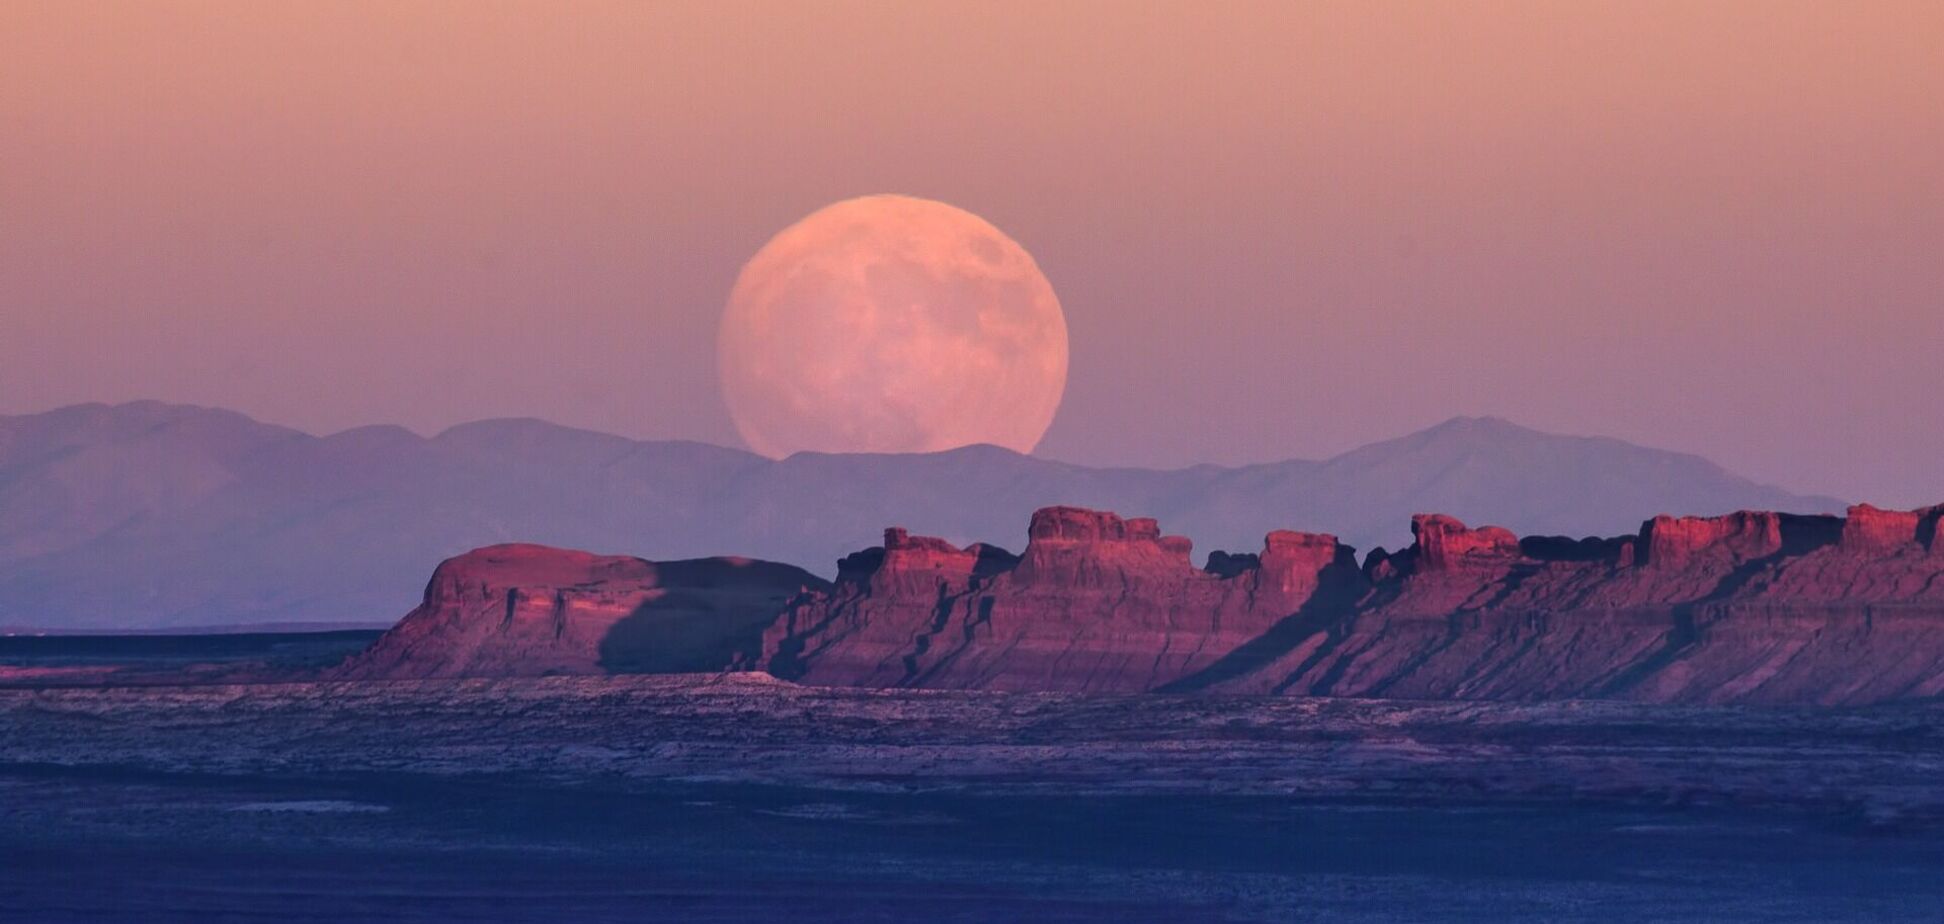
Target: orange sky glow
[{"x": 1277, "y": 229}]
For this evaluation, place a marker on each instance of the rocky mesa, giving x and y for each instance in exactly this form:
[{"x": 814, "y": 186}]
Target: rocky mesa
[
  {"x": 1749, "y": 607},
  {"x": 1095, "y": 603},
  {"x": 531, "y": 611}
]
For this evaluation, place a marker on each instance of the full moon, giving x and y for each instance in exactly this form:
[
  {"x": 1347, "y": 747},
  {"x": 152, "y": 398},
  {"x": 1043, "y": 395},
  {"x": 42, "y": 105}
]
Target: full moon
[{"x": 891, "y": 324}]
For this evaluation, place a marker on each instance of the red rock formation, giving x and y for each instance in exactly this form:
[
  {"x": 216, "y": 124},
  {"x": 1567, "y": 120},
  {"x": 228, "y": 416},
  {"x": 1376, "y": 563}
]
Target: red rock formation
[
  {"x": 924, "y": 563},
  {"x": 1095, "y": 603},
  {"x": 1748, "y": 607},
  {"x": 1074, "y": 546},
  {"x": 1868, "y": 529},
  {"x": 1293, "y": 565},
  {"x": 1445, "y": 544},
  {"x": 1675, "y": 542},
  {"x": 529, "y": 610}
]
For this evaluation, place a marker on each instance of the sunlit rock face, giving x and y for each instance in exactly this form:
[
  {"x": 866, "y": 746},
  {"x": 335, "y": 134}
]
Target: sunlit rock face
[
  {"x": 1095, "y": 603},
  {"x": 1751, "y": 607},
  {"x": 1445, "y": 544},
  {"x": 534, "y": 611},
  {"x": 892, "y": 324},
  {"x": 1868, "y": 529}
]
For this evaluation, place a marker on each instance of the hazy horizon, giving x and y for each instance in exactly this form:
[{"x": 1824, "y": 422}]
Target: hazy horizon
[
  {"x": 1455, "y": 420},
  {"x": 1277, "y": 232}
]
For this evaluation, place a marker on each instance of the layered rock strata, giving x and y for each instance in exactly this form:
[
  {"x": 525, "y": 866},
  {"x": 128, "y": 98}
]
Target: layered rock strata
[
  {"x": 1751, "y": 607},
  {"x": 1748, "y": 607},
  {"x": 1095, "y": 602},
  {"x": 530, "y": 611}
]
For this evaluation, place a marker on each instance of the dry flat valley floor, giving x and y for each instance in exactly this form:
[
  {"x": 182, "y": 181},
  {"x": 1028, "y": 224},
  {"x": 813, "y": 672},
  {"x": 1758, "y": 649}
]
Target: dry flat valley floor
[{"x": 740, "y": 797}]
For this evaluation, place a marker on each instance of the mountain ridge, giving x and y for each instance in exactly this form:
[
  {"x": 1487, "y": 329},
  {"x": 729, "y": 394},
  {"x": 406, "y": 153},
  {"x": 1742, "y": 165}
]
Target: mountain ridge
[{"x": 147, "y": 514}]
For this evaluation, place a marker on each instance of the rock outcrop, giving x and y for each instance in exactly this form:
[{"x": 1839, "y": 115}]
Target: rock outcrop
[
  {"x": 529, "y": 610},
  {"x": 1870, "y": 530},
  {"x": 1445, "y": 544},
  {"x": 1096, "y": 602},
  {"x": 1748, "y": 607}
]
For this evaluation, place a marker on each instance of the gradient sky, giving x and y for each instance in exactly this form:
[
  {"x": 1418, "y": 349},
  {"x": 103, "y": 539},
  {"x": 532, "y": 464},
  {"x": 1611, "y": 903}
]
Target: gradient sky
[{"x": 1277, "y": 230}]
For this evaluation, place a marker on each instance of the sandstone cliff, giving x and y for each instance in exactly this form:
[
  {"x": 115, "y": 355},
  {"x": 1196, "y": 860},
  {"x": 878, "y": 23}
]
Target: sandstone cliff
[
  {"x": 1095, "y": 603},
  {"x": 528, "y": 610},
  {"x": 1748, "y": 607}
]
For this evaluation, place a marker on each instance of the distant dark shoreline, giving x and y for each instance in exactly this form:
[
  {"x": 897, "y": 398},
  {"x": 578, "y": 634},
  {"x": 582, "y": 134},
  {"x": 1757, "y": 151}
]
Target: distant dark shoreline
[
  {"x": 173, "y": 650},
  {"x": 264, "y": 629}
]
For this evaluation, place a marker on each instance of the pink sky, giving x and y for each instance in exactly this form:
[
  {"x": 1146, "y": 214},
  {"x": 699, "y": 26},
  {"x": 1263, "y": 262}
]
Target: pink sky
[{"x": 1277, "y": 230}]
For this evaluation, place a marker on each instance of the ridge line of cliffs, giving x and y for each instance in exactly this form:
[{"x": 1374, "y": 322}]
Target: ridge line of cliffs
[
  {"x": 533, "y": 611},
  {"x": 1751, "y": 607}
]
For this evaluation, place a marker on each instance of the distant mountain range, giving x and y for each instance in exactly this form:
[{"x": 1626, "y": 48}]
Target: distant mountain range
[{"x": 150, "y": 515}]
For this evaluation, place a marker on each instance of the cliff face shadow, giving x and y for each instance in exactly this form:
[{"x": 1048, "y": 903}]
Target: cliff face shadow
[
  {"x": 684, "y": 633},
  {"x": 788, "y": 662},
  {"x": 1800, "y": 536},
  {"x": 1334, "y": 601},
  {"x": 710, "y": 617},
  {"x": 993, "y": 560}
]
